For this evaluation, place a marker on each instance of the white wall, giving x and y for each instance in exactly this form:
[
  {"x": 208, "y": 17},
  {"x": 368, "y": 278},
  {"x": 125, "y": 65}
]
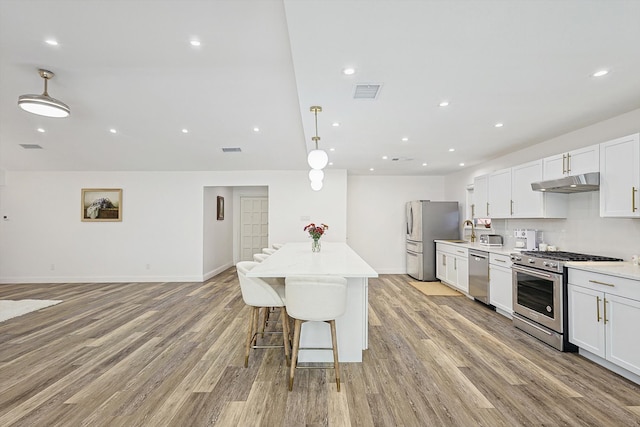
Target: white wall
[
  {"x": 376, "y": 216},
  {"x": 583, "y": 230},
  {"x": 161, "y": 236},
  {"x": 217, "y": 234}
]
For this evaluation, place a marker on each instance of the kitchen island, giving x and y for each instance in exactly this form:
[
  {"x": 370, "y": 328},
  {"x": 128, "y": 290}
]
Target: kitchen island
[{"x": 335, "y": 259}]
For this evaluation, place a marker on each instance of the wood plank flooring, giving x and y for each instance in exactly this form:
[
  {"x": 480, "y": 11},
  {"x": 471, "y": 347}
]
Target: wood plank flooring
[{"x": 171, "y": 354}]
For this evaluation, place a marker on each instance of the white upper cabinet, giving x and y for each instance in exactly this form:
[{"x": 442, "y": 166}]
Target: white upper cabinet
[
  {"x": 499, "y": 193},
  {"x": 620, "y": 177},
  {"x": 480, "y": 201},
  {"x": 526, "y": 203},
  {"x": 582, "y": 160}
]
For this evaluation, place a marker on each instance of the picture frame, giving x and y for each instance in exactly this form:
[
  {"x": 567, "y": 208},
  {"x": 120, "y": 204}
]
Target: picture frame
[
  {"x": 220, "y": 208},
  {"x": 101, "y": 205}
]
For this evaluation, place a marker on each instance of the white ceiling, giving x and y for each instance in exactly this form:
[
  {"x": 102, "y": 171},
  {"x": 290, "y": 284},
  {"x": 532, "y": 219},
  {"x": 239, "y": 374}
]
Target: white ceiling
[{"x": 128, "y": 65}]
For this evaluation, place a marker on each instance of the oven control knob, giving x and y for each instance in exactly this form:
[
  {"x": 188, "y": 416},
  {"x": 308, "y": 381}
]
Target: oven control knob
[
  {"x": 546, "y": 264},
  {"x": 532, "y": 261},
  {"x": 516, "y": 258},
  {"x": 553, "y": 265}
]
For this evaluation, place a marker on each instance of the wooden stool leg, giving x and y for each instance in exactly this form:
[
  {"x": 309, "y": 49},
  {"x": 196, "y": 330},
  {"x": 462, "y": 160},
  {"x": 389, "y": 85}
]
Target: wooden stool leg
[
  {"x": 294, "y": 356},
  {"x": 334, "y": 342},
  {"x": 250, "y": 336},
  {"x": 285, "y": 333}
]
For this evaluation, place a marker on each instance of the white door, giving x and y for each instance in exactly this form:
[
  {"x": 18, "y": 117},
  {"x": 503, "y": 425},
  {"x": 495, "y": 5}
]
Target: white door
[{"x": 254, "y": 226}]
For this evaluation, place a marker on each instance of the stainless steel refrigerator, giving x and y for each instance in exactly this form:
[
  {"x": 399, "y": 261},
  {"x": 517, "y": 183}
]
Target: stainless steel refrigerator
[{"x": 426, "y": 222}]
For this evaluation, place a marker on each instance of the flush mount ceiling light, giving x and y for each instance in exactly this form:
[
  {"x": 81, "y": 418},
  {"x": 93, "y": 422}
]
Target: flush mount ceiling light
[
  {"x": 317, "y": 159},
  {"x": 44, "y": 105}
]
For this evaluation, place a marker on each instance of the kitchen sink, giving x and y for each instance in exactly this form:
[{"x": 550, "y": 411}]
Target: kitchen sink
[{"x": 457, "y": 241}]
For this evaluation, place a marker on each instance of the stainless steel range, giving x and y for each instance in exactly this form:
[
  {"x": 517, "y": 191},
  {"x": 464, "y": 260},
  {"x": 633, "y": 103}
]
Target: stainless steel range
[{"x": 540, "y": 294}]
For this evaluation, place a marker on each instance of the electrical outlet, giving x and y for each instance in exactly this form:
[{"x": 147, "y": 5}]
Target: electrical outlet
[
  {"x": 52, "y": 267},
  {"x": 148, "y": 266}
]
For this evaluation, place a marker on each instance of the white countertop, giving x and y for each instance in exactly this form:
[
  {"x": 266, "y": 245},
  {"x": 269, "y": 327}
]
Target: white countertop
[
  {"x": 502, "y": 250},
  {"x": 619, "y": 269},
  {"x": 296, "y": 259}
]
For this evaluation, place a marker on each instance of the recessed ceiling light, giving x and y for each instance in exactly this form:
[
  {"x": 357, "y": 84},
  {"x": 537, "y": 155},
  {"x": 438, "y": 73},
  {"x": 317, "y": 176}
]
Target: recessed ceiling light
[
  {"x": 600, "y": 73},
  {"x": 384, "y": 157},
  {"x": 371, "y": 169},
  {"x": 405, "y": 139},
  {"x": 332, "y": 149},
  {"x": 444, "y": 103},
  {"x": 113, "y": 131},
  {"x": 424, "y": 164},
  {"x": 185, "y": 130},
  {"x": 256, "y": 129},
  {"x": 330, "y": 163},
  {"x": 348, "y": 71},
  {"x": 40, "y": 130},
  {"x": 452, "y": 149},
  {"x": 335, "y": 124},
  {"x": 51, "y": 42},
  {"x": 499, "y": 125},
  {"x": 195, "y": 43},
  {"x": 461, "y": 164}
]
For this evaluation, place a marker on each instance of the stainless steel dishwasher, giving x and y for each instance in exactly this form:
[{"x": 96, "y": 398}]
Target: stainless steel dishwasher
[{"x": 479, "y": 275}]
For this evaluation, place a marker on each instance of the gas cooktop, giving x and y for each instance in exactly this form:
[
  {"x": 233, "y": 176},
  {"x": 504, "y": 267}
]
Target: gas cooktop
[{"x": 567, "y": 256}]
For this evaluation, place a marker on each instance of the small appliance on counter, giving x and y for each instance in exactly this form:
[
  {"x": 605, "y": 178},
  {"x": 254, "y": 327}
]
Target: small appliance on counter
[
  {"x": 526, "y": 239},
  {"x": 490, "y": 240}
]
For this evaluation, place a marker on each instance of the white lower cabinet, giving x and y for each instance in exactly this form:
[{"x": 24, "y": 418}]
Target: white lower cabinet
[
  {"x": 452, "y": 266},
  {"x": 604, "y": 314},
  {"x": 501, "y": 284}
]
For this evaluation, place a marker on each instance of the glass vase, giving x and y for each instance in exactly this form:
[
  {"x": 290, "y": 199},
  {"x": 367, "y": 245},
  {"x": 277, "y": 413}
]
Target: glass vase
[{"x": 315, "y": 245}]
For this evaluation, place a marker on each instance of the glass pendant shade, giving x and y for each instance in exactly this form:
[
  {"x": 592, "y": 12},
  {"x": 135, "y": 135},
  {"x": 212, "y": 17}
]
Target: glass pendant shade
[
  {"x": 316, "y": 185},
  {"x": 316, "y": 175},
  {"x": 317, "y": 159}
]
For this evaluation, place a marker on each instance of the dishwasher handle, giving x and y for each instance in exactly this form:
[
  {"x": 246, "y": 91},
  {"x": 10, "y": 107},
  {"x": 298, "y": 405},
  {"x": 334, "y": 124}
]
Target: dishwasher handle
[{"x": 483, "y": 255}]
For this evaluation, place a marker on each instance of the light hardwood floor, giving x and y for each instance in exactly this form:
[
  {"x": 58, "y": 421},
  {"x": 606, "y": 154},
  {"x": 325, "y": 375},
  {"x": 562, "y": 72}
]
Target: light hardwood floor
[{"x": 171, "y": 354}]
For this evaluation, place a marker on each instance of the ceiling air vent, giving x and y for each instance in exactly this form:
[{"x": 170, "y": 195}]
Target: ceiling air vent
[
  {"x": 31, "y": 146},
  {"x": 231, "y": 149},
  {"x": 367, "y": 91}
]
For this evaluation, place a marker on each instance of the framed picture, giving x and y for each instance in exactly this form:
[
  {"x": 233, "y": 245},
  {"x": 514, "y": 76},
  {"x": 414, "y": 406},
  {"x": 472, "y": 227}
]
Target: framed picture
[
  {"x": 101, "y": 204},
  {"x": 220, "y": 208}
]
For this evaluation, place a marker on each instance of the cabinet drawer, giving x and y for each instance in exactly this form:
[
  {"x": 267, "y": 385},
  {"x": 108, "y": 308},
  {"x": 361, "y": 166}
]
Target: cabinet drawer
[
  {"x": 605, "y": 283},
  {"x": 500, "y": 260},
  {"x": 453, "y": 249}
]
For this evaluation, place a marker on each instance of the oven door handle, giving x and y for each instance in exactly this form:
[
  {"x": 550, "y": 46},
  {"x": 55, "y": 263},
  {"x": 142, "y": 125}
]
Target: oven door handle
[{"x": 532, "y": 272}]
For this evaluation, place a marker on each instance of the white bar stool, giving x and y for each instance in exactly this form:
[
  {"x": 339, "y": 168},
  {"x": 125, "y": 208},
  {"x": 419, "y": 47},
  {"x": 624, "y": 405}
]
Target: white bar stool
[
  {"x": 318, "y": 299},
  {"x": 277, "y": 246},
  {"x": 258, "y": 294},
  {"x": 268, "y": 251},
  {"x": 260, "y": 257}
]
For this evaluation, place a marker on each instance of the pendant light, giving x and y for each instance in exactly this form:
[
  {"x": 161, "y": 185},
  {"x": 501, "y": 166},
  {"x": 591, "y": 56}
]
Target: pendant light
[
  {"x": 44, "y": 105},
  {"x": 317, "y": 159}
]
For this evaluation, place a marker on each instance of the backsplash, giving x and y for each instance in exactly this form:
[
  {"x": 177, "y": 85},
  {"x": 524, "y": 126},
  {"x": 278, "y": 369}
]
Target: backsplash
[{"x": 583, "y": 230}]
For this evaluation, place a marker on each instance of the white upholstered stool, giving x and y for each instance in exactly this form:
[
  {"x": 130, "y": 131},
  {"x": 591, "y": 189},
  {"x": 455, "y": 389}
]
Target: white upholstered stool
[
  {"x": 277, "y": 246},
  {"x": 258, "y": 294},
  {"x": 268, "y": 251},
  {"x": 318, "y": 299},
  {"x": 260, "y": 257}
]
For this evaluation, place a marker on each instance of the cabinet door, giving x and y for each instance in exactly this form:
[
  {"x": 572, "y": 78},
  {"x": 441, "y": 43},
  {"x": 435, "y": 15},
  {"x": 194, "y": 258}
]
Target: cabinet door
[
  {"x": 620, "y": 177},
  {"x": 501, "y": 288},
  {"x": 441, "y": 269},
  {"x": 499, "y": 194},
  {"x": 554, "y": 167},
  {"x": 584, "y": 160},
  {"x": 586, "y": 319},
  {"x": 462, "y": 267},
  {"x": 622, "y": 320},
  {"x": 452, "y": 272},
  {"x": 480, "y": 202},
  {"x": 526, "y": 203}
]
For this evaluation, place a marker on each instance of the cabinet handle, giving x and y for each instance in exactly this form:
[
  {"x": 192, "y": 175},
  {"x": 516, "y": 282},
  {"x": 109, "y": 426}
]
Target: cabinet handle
[
  {"x": 455, "y": 263},
  {"x": 511, "y": 208},
  {"x": 500, "y": 260},
  {"x": 444, "y": 260},
  {"x": 598, "y": 309},
  {"x": 597, "y": 282},
  {"x": 564, "y": 169},
  {"x": 487, "y": 208},
  {"x": 633, "y": 199},
  {"x": 568, "y": 163},
  {"x": 604, "y": 305},
  {"x": 460, "y": 252},
  {"x": 473, "y": 210}
]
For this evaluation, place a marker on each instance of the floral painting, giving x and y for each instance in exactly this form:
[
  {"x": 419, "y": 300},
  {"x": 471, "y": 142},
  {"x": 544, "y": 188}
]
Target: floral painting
[{"x": 101, "y": 204}]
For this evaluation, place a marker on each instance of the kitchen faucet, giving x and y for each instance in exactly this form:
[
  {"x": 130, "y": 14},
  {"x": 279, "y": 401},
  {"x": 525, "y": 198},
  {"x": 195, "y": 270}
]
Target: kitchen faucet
[{"x": 473, "y": 229}]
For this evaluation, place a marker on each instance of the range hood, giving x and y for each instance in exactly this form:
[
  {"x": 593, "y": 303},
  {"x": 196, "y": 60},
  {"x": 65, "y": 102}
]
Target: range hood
[{"x": 570, "y": 184}]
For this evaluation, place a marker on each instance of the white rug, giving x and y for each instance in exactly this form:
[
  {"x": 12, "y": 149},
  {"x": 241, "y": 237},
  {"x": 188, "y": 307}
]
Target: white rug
[{"x": 10, "y": 309}]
